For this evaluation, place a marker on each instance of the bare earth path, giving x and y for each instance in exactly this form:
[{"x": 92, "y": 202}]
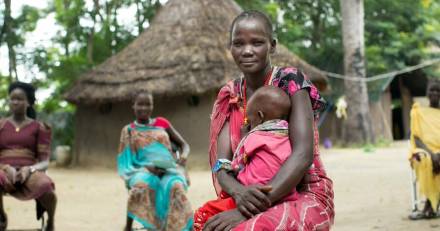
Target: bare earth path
[{"x": 372, "y": 193}]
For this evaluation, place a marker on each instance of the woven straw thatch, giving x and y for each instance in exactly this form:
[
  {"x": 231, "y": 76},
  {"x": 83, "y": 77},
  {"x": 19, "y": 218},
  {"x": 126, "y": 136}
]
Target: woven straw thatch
[{"x": 184, "y": 51}]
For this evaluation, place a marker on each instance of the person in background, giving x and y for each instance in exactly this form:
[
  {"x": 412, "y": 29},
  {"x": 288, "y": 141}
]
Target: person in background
[
  {"x": 149, "y": 167},
  {"x": 425, "y": 150},
  {"x": 24, "y": 155}
]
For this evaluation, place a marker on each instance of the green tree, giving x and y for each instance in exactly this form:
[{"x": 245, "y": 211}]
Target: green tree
[
  {"x": 88, "y": 34},
  {"x": 397, "y": 33},
  {"x": 13, "y": 31}
]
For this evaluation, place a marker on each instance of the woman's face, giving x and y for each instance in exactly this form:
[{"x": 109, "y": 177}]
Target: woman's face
[
  {"x": 251, "y": 45},
  {"x": 143, "y": 106},
  {"x": 434, "y": 95},
  {"x": 18, "y": 102}
]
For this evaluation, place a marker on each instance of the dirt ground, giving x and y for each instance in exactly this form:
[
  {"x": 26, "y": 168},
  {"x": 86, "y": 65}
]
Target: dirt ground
[{"x": 372, "y": 192}]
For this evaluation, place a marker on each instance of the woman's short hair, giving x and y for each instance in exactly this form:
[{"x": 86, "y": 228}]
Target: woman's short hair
[
  {"x": 253, "y": 14},
  {"x": 140, "y": 92},
  {"x": 433, "y": 82},
  {"x": 29, "y": 90}
]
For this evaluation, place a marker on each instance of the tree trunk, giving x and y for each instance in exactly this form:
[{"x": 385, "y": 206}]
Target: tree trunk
[
  {"x": 9, "y": 38},
  {"x": 91, "y": 38},
  {"x": 138, "y": 17},
  {"x": 116, "y": 26},
  {"x": 3, "y": 30},
  {"x": 358, "y": 124}
]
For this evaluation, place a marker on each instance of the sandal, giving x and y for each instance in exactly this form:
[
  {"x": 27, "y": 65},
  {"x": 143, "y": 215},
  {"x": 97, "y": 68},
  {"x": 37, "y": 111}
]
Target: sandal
[{"x": 419, "y": 215}]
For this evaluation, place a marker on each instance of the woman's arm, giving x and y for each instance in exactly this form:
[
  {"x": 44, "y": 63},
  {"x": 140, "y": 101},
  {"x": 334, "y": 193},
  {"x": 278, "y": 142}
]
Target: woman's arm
[
  {"x": 183, "y": 145},
  {"x": 228, "y": 182},
  {"x": 43, "y": 154},
  {"x": 122, "y": 139},
  {"x": 435, "y": 158},
  {"x": 250, "y": 200},
  {"x": 43, "y": 147},
  {"x": 419, "y": 144},
  {"x": 301, "y": 138}
]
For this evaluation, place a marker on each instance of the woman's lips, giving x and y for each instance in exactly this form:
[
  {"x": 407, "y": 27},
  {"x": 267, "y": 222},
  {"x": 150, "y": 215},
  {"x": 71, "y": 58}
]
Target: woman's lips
[{"x": 248, "y": 63}]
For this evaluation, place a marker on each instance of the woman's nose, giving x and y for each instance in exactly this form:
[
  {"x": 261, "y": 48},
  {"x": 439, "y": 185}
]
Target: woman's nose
[{"x": 247, "y": 50}]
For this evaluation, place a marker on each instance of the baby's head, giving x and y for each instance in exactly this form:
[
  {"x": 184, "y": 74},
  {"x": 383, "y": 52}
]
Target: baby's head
[{"x": 267, "y": 103}]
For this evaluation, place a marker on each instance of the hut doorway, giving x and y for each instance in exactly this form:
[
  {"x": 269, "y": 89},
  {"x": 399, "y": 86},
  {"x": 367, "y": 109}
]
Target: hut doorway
[
  {"x": 396, "y": 110},
  {"x": 403, "y": 90}
]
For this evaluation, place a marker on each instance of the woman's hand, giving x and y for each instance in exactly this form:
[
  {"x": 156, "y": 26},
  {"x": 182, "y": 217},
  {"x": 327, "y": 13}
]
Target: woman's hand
[
  {"x": 23, "y": 174},
  {"x": 181, "y": 161},
  {"x": 156, "y": 171},
  {"x": 224, "y": 221},
  {"x": 11, "y": 174},
  {"x": 252, "y": 200}
]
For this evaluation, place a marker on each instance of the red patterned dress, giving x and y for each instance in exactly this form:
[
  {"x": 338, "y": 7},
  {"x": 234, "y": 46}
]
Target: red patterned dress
[{"x": 310, "y": 207}]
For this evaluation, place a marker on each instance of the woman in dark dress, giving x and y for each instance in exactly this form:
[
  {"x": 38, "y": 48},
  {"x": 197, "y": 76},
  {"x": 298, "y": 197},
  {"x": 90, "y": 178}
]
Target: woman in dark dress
[{"x": 24, "y": 154}]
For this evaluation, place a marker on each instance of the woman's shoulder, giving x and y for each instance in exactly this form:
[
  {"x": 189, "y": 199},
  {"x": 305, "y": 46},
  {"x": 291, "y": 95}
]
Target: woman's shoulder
[
  {"x": 161, "y": 122},
  {"x": 126, "y": 127},
  {"x": 287, "y": 74},
  {"x": 232, "y": 85},
  {"x": 41, "y": 125},
  {"x": 415, "y": 106},
  {"x": 291, "y": 80},
  {"x": 230, "y": 89},
  {"x": 3, "y": 121}
]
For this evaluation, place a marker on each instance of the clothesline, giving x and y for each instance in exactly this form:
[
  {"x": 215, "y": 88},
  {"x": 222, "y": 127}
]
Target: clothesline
[{"x": 385, "y": 75}]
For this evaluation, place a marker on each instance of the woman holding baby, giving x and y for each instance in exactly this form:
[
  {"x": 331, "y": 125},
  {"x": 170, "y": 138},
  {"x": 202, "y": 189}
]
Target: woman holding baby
[{"x": 299, "y": 196}]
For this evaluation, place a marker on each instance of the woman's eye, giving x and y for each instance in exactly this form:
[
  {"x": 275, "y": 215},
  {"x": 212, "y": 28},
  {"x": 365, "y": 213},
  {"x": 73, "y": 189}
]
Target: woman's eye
[{"x": 237, "y": 44}]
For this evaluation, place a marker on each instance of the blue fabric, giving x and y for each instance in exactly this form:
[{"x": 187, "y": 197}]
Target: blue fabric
[{"x": 131, "y": 167}]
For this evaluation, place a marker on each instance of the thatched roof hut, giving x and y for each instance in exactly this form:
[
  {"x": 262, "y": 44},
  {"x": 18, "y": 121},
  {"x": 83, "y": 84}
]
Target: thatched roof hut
[
  {"x": 184, "y": 51},
  {"x": 183, "y": 58}
]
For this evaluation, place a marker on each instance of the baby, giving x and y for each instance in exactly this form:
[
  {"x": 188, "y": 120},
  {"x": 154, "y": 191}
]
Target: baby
[{"x": 261, "y": 152}]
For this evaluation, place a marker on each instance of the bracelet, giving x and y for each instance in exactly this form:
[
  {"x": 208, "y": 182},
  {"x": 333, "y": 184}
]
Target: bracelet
[{"x": 222, "y": 164}]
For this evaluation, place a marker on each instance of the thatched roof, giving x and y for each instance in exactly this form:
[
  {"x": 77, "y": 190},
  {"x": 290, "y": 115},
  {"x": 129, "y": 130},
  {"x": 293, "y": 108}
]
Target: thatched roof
[{"x": 184, "y": 51}]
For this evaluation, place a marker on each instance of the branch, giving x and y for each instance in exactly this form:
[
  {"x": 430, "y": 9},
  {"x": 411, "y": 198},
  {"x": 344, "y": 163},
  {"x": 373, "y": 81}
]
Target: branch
[{"x": 6, "y": 20}]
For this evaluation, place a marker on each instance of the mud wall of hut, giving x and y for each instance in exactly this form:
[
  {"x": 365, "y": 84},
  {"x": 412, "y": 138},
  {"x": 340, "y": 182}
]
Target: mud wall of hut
[
  {"x": 380, "y": 112},
  {"x": 97, "y": 128}
]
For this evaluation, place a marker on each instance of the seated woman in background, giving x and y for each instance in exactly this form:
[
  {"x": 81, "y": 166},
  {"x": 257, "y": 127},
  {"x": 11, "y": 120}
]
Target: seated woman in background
[
  {"x": 157, "y": 189},
  {"x": 425, "y": 150},
  {"x": 24, "y": 154}
]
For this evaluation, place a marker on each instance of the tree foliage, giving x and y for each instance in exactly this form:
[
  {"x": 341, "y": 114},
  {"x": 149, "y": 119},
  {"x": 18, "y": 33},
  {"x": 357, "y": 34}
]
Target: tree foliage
[
  {"x": 397, "y": 33},
  {"x": 87, "y": 33}
]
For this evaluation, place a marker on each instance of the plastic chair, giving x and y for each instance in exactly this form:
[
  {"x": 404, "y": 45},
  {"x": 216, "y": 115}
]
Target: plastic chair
[{"x": 414, "y": 195}]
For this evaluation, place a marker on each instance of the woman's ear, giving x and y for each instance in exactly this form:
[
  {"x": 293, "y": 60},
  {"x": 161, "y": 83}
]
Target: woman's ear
[{"x": 273, "y": 45}]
